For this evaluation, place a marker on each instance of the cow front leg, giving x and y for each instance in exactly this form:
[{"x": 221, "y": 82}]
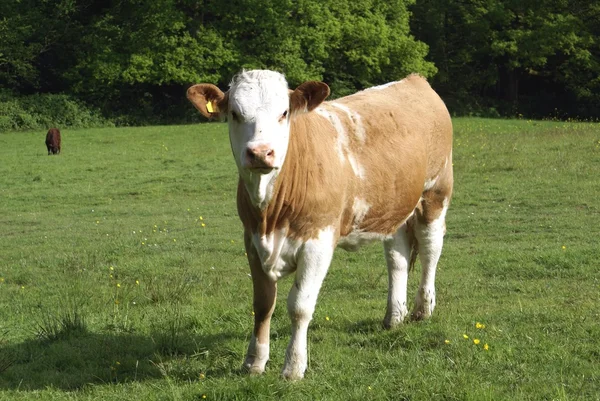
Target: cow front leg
[
  {"x": 265, "y": 294},
  {"x": 313, "y": 263},
  {"x": 397, "y": 255}
]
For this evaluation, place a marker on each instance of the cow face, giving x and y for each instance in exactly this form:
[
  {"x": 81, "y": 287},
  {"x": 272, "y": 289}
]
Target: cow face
[{"x": 259, "y": 108}]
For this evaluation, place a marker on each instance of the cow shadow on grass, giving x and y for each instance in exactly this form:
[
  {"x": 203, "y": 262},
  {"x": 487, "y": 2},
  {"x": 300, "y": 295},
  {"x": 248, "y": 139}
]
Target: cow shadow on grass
[
  {"x": 73, "y": 361},
  {"x": 411, "y": 335}
]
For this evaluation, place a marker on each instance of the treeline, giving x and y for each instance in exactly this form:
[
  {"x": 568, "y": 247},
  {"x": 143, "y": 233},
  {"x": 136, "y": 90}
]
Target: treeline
[{"x": 130, "y": 61}]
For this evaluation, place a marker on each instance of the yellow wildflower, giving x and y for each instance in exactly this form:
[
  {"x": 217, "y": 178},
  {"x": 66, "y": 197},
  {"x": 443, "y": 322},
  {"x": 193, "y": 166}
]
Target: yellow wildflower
[
  {"x": 202, "y": 375},
  {"x": 118, "y": 285},
  {"x": 111, "y": 268},
  {"x": 137, "y": 282},
  {"x": 203, "y": 225},
  {"x": 466, "y": 337},
  {"x": 476, "y": 341},
  {"x": 564, "y": 248},
  {"x": 480, "y": 325},
  {"x": 446, "y": 341},
  {"x": 327, "y": 318},
  {"x": 486, "y": 347}
]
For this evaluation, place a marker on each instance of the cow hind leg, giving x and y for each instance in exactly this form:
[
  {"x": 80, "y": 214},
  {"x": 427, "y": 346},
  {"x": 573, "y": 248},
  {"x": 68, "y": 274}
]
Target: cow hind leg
[
  {"x": 429, "y": 230},
  {"x": 397, "y": 255}
]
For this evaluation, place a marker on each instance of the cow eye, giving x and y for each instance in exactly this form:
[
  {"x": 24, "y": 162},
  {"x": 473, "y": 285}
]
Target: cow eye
[{"x": 283, "y": 116}]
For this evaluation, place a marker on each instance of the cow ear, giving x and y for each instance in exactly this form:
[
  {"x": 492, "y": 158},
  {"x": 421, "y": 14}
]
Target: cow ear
[
  {"x": 208, "y": 99},
  {"x": 308, "y": 96}
]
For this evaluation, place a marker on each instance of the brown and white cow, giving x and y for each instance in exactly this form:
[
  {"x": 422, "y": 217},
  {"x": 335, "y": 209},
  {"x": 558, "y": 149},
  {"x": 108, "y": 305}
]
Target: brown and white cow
[
  {"x": 53, "y": 141},
  {"x": 376, "y": 165}
]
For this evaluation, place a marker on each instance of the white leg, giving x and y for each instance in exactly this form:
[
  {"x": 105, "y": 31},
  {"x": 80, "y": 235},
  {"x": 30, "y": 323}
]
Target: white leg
[
  {"x": 397, "y": 256},
  {"x": 430, "y": 237},
  {"x": 313, "y": 262}
]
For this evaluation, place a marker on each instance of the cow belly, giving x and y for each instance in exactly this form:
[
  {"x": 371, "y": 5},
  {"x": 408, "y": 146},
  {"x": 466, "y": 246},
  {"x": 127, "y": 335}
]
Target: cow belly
[
  {"x": 357, "y": 238},
  {"x": 277, "y": 253}
]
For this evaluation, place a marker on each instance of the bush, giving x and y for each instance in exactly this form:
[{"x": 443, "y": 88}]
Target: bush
[{"x": 42, "y": 111}]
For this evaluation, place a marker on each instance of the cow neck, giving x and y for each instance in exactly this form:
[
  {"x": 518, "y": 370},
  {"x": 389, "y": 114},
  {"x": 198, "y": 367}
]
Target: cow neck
[{"x": 290, "y": 198}]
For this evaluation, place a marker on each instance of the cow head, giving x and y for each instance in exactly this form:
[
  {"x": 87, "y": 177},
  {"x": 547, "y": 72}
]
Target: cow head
[{"x": 258, "y": 107}]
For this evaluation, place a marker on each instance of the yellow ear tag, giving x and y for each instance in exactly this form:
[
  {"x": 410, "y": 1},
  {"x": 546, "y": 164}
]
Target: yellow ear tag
[{"x": 209, "y": 107}]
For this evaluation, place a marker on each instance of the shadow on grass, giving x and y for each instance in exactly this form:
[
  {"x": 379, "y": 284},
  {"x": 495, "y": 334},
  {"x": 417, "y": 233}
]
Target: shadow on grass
[{"x": 78, "y": 360}]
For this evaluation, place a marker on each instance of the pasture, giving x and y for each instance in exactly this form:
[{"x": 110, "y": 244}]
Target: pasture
[{"x": 123, "y": 276}]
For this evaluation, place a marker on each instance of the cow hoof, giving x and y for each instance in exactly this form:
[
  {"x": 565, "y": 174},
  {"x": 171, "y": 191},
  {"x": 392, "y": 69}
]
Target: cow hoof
[
  {"x": 420, "y": 314},
  {"x": 293, "y": 375},
  {"x": 253, "y": 370}
]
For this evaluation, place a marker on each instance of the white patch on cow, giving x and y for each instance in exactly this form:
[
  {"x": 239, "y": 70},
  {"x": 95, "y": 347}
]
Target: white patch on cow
[
  {"x": 257, "y": 356},
  {"x": 260, "y": 187},
  {"x": 313, "y": 262},
  {"x": 397, "y": 255},
  {"x": 342, "y": 144},
  {"x": 430, "y": 238},
  {"x": 384, "y": 86},
  {"x": 360, "y": 208},
  {"x": 430, "y": 183},
  {"x": 358, "y": 169},
  {"x": 355, "y": 120},
  {"x": 342, "y": 139},
  {"x": 277, "y": 253},
  {"x": 358, "y": 238}
]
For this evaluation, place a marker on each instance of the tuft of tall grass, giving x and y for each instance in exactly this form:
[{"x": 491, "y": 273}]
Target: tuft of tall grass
[{"x": 61, "y": 325}]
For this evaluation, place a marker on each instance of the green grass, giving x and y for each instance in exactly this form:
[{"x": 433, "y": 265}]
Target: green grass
[{"x": 111, "y": 288}]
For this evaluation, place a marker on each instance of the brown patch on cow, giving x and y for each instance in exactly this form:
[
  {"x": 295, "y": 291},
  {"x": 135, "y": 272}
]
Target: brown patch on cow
[
  {"x": 53, "y": 141},
  {"x": 265, "y": 293},
  {"x": 408, "y": 140}
]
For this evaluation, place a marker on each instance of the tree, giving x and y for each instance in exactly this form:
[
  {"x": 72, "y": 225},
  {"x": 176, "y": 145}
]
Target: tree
[{"x": 520, "y": 51}]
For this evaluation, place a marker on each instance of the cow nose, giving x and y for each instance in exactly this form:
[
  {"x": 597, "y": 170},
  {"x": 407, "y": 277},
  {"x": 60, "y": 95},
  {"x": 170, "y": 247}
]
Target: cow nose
[{"x": 260, "y": 156}]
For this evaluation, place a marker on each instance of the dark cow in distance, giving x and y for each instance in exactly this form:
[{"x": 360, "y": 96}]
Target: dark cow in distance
[{"x": 53, "y": 141}]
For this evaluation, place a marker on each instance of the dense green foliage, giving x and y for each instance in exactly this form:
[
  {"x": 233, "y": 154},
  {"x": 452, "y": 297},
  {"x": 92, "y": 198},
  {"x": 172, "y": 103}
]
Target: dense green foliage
[
  {"x": 123, "y": 276},
  {"x": 133, "y": 59},
  {"x": 536, "y": 57},
  {"x": 40, "y": 111}
]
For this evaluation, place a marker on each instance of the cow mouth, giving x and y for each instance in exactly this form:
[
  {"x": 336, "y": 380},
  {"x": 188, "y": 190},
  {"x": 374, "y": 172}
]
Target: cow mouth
[{"x": 261, "y": 169}]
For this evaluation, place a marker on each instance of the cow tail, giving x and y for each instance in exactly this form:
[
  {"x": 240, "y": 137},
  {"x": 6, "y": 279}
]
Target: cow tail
[{"x": 414, "y": 244}]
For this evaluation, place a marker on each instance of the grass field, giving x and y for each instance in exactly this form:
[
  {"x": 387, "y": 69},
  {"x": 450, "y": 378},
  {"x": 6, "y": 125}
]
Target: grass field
[{"x": 123, "y": 276}]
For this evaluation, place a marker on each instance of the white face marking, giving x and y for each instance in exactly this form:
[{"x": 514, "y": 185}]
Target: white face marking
[{"x": 257, "y": 103}]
